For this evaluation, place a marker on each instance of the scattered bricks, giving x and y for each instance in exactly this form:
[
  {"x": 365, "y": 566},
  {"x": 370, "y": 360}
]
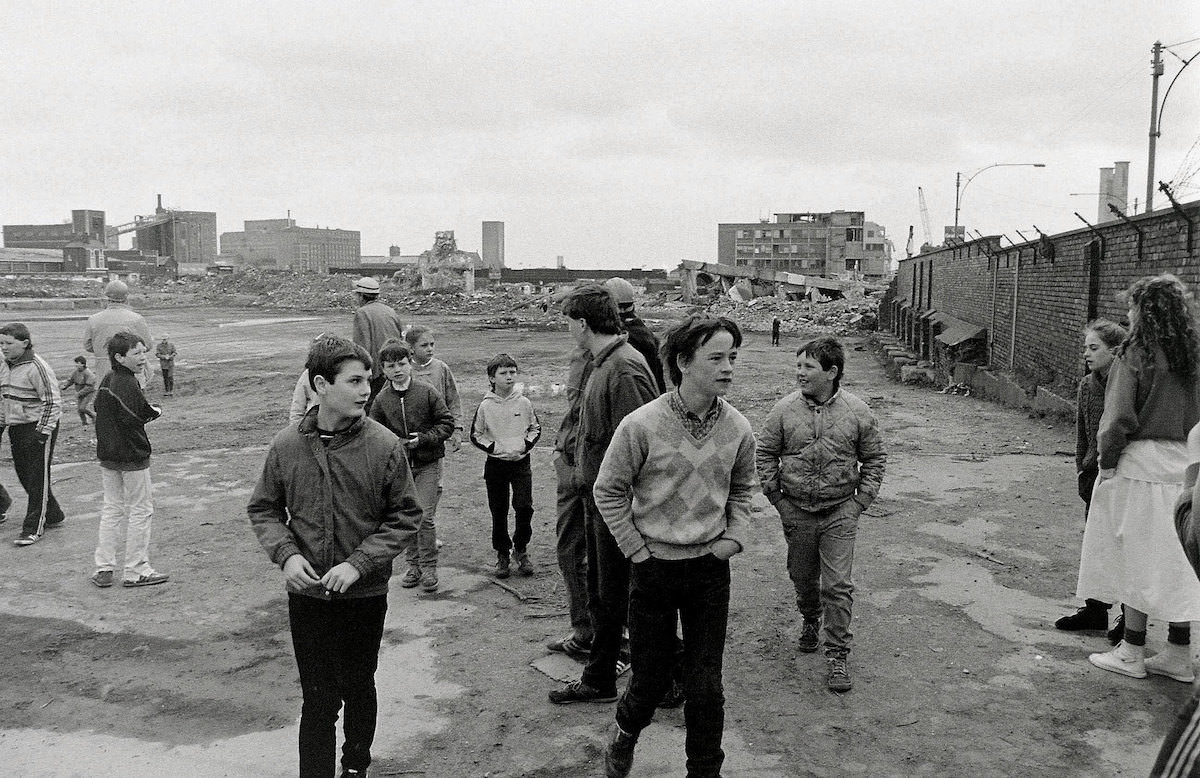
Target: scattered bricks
[
  {"x": 911, "y": 374},
  {"x": 901, "y": 361}
]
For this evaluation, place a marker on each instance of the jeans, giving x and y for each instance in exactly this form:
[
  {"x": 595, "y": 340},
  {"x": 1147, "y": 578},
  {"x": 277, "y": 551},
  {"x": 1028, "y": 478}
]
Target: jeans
[
  {"x": 31, "y": 459},
  {"x": 698, "y": 591},
  {"x": 337, "y": 650},
  {"x": 427, "y": 479},
  {"x": 608, "y": 599},
  {"x": 820, "y": 562},
  {"x": 499, "y": 475},
  {"x": 571, "y": 531},
  {"x": 127, "y": 494}
]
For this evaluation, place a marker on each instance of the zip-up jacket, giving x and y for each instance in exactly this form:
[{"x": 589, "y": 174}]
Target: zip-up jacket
[
  {"x": 373, "y": 324},
  {"x": 820, "y": 454},
  {"x": 29, "y": 393},
  {"x": 121, "y": 416},
  {"x": 642, "y": 339},
  {"x": 349, "y": 500},
  {"x": 419, "y": 409},
  {"x": 620, "y": 382},
  {"x": 505, "y": 427}
]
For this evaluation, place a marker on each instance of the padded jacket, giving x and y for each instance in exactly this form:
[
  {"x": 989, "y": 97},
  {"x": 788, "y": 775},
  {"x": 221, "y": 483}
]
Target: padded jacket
[
  {"x": 820, "y": 455},
  {"x": 620, "y": 382},
  {"x": 419, "y": 409}
]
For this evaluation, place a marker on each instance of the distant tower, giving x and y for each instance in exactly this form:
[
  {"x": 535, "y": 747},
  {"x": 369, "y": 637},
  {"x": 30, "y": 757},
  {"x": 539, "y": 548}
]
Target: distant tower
[
  {"x": 1114, "y": 188},
  {"x": 493, "y": 245}
]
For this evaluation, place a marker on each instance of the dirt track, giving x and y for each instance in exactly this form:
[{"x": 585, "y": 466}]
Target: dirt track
[{"x": 965, "y": 560}]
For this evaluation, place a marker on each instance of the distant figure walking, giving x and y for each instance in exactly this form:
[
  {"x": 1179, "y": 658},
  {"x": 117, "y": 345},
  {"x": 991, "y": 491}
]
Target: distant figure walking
[
  {"x": 374, "y": 324},
  {"x": 165, "y": 351},
  {"x": 116, "y": 317},
  {"x": 775, "y": 331}
]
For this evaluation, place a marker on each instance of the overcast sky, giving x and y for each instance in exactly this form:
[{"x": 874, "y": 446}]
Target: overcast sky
[{"x": 615, "y": 134}]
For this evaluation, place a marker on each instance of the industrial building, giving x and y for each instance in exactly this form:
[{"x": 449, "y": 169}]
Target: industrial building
[
  {"x": 85, "y": 225},
  {"x": 839, "y": 244},
  {"x": 493, "y": 245},
  {"x": 187, "y": 237},
  {"x": 281, "y": 245}
]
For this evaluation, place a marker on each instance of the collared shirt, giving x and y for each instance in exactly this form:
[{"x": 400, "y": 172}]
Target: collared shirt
[{"x": 697, "y": 427}]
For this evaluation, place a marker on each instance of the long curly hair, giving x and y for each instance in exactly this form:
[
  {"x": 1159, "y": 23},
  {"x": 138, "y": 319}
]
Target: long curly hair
[{"x": 1162, "y": 318}]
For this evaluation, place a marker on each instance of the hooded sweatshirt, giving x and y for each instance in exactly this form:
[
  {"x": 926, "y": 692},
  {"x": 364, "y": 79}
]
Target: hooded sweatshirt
[{"x": 505, "y": 427}]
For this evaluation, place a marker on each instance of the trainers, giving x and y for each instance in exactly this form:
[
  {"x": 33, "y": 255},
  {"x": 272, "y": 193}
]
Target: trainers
[
  {"x": 351, "y": 773},
  {"x": 146, "y": 579},
  {"x": 524, "y": 566},
  {"x": 838, "y": 679},
  {"x": 1172, "y": 662},
  {"x": 578, "y": 691},
  {"x": 572, "y": 647},
  {"x": 411, "y": 577},
  {"x": 1117, "y": 633},
  {"x": 57, "y": 524},
  {"x": 3, "y": 517},
  {"x": 26, "y": 540},
  {"x": 1124, "y": 659},
  {"x": 502, "y": 564},
  {"x": 618, "y": 754},
  {"x": 1088, "y": 617},
  {"x": 674, "y": 696},
  {"x": 429, "y": 581},
  {"x": 102, "y": 578},
  {"x": 810, "y": 635}
]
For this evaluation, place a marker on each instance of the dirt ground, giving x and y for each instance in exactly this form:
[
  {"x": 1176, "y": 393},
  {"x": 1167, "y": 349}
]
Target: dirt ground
[{"x": 963, "y": 563}]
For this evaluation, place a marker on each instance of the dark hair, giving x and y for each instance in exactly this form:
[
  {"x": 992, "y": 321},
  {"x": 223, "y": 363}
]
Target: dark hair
[
  {"x": 829, "y": 353},
  {"x": 685, "y": 338},
  {"x": 596, "y": 306},
  {"x": 121, "y": 343},
  {"x": 414, "y": 333},
  {"x": 499, "y": 361},
  {"x": 1164, "y": 321},
  {"x": 81, "y": 359},
  {"x": 1110, "y": 333},
  {"x": 326, "y": 355},
  {"x": 394, "y": 350},
  {"x": 16, "y": 331}
]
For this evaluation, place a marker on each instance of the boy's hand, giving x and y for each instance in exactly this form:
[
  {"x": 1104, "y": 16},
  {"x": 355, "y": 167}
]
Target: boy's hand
[
  {"x": 454, "y": 443},
  {"x": 412, "y": 441},
  {"x": 340, "y": 578},
  {"x": 298, "y": 573},
  {"x": 724, "y": 548}
]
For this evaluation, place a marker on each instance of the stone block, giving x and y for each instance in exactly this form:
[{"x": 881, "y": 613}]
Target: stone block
[{"x": 1047, "y": 402}]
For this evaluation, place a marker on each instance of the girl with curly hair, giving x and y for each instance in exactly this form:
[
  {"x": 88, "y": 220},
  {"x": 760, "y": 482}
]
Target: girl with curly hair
[{"x": 1130, "y": 551}]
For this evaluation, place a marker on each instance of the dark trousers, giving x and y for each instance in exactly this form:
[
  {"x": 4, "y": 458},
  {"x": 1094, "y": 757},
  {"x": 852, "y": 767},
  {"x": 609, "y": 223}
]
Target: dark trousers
[
  {"x": 608, "y": 599},
  {"x": 697, "y": 591},
  {"x": 502, "y": 476},
  {"x": 337, "y": 650},
  {"x": 31, "y": 459},
  {"x": 168, "y": 374},
  {"x": 571, "y": 547}
]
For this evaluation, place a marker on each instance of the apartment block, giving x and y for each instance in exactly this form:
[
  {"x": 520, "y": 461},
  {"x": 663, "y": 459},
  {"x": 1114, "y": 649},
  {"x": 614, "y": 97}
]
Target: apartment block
[{"x": 835, "y": 244}]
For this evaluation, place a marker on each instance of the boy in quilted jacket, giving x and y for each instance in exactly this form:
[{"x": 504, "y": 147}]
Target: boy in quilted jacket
[{"x": 820, "y": 460}]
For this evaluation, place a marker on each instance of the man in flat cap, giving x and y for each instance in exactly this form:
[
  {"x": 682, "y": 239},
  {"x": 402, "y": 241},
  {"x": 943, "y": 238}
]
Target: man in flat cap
[
  {"x": 116, "y": 317},
  {"x": 374, "y": 323}
]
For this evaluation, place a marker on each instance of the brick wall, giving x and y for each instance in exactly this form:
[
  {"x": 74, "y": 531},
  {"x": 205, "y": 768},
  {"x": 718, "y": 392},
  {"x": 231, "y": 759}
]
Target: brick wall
[{"x": 1046, "y": 285}]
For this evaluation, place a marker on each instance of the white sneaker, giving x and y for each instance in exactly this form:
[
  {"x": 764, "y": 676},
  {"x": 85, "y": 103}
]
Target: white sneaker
[
  {"x": 1124, "y": 659},
  {"x": 1173, "y": 662}
]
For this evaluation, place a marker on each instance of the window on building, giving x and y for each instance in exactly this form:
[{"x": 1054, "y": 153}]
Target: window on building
[{"x": 854, "y": 234}]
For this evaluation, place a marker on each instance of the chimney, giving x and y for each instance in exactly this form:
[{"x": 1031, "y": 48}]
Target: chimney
[{"x": 159, "y": 209}]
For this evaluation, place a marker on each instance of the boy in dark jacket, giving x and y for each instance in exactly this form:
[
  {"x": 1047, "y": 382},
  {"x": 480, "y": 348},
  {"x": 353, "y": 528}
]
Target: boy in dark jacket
[
  {"x": 416, "y": 412},
  {"x": 334, "y": 506},
  {"x": 124, "y": 453}
]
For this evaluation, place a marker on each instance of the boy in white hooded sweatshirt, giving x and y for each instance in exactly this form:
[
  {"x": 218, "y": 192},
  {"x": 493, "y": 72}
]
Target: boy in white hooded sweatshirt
[{"x": 506, "y": 428}]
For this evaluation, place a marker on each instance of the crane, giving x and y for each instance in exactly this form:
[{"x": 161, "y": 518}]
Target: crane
[{"x": 925, "y": 217}]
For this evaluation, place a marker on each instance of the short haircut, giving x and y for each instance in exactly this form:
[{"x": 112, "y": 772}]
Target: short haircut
[
  {"x": 596, "y": 306},
  {"x": 394, "y": 350},
  {"x": 81, "y": 359},
  {"x": 120, "y": 344},
  {"x": 326, "y": 355},
  {"x": 499, "y": 361},
  {"x": 414, "y": 333},
  {"x": 827, "y": 351},
  {"x": 684, "y": 339},
  {"x": 1110, "y": 333},
  {"x": 16, "y": 331}
]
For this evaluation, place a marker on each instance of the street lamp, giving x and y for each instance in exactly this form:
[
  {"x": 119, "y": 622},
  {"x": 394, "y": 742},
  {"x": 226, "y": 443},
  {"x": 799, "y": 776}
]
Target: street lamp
[{"x": 960, "y": 185}]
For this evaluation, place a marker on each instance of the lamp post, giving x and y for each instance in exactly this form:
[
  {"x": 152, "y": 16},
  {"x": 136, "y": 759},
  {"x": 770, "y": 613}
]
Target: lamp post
[{"x": 960, "y": 185}]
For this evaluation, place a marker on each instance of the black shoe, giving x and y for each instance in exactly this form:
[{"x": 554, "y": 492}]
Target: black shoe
[
  {"x": 1117, "y": 633},
  {"x": 618, "y": 754},
  {"x": 675, "y": 696},
  {"x": 578, "y": 691},
  {"x": 810, "y": 636},
  {"x": 838, "y": 679},
  {"x": 1087, "y": 617}
]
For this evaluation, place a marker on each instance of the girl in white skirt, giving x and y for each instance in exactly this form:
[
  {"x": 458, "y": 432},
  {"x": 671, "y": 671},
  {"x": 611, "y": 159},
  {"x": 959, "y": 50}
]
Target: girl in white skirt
[{"x": 1131, "y": 553}]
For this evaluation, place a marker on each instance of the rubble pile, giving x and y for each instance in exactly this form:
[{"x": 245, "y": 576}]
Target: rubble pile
[
  {"x": 836, "y": 317},
  {"x": 71, "y": 287}
]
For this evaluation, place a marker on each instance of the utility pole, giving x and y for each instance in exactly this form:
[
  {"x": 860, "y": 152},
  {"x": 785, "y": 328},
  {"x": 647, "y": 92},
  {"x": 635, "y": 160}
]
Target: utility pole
[{"x": 1156, "y": 70}]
